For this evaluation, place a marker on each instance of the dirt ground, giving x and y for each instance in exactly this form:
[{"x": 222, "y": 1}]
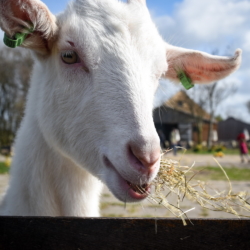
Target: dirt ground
[
  {"x": 111, "y": 207},
  {"x": 208, "y": 160}
]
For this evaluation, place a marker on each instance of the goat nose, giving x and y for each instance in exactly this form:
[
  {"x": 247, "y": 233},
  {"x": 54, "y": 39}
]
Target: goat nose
[{"x": 144, "y": 160}]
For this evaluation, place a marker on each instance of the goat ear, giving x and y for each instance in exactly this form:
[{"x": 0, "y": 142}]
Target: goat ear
[
  {"x": 198, "y": 66},
  {"x": 18, "y": 16}
]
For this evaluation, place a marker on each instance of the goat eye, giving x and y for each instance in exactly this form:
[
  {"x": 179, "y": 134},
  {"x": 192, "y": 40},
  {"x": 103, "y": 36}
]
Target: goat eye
[{"x": 69, "y": 57}]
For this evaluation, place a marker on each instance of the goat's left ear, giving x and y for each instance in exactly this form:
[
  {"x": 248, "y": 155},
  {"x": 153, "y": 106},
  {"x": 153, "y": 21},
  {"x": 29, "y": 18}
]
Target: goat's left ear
[
  {"x": 28, "y": 16},
  {"x": 198, "y": 66}
]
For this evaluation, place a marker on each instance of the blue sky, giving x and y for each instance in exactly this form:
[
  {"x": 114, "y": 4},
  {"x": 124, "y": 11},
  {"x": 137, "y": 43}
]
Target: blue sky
[
  {"x": 162, "y": 7},
  {"x": 159, "y": 7},
  {"x": 221, "y": 25},
  {"x": 56, "y": 6}
]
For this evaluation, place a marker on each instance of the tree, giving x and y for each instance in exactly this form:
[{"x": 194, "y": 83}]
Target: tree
[
  {"x": 216, "y": 94},
  {"x": 15, "y": 68},
  {"x": 248, "y": 106},
  {"x": 209, "y": 97}
]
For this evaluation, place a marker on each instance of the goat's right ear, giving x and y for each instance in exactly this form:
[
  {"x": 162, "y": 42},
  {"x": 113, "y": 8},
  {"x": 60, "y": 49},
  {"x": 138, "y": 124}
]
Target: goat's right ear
[{"x": 22, "y": 16}]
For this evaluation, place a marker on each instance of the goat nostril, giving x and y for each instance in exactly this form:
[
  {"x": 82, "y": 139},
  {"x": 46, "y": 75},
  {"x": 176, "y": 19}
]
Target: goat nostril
[
  {"x": 143, "y": 160},
  {"x": 148, "y": 164}
]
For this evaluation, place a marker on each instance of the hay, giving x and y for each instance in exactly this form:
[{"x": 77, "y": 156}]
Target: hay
[{"x": 177, "y": 180}]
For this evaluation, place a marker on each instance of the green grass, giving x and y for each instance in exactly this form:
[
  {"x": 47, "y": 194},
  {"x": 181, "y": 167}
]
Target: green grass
[
  {"x": 231, "y": 152},
  {"x": 206, "y": 152},
  {"x": 215, "y": 173},
  {"x": 3, "y": 168}
]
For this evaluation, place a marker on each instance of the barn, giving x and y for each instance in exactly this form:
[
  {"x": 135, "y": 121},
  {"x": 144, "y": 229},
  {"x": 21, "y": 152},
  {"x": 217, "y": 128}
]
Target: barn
[
  {"x": 181, "y": 112},
  {"x": 229, "y": 129}
]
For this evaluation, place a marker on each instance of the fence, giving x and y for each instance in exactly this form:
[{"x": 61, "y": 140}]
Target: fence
[{"x": 124, "y": 233}]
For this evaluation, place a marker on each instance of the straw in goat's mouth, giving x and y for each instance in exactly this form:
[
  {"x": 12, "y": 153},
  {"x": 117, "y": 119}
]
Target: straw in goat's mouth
[{"x": 140, "y": 189}]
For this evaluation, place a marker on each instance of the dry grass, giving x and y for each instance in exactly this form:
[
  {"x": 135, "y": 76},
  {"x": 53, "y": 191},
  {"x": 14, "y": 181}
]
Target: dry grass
[{"x": 180, "y": 181}]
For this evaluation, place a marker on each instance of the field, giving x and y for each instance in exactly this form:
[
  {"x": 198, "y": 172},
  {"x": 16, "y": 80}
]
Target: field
[{"x": 4, "y": 168}]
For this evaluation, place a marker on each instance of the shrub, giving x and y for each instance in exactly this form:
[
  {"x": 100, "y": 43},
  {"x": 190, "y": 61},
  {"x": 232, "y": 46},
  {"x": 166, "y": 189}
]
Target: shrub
[{"x": 198, "y": 148}]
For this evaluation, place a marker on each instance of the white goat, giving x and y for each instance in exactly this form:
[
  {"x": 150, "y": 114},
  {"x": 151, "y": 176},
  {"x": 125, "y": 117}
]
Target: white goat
[{"x": 89, "y": 111}]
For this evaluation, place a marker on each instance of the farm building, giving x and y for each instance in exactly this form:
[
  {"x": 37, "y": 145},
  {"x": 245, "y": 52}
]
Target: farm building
[
  {"x": 229, "y": 129},
  {"x": 183, "y": 113}
]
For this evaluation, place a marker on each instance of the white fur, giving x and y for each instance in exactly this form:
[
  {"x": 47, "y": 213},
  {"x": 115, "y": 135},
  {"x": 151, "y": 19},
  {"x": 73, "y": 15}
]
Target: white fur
[{"x": 79, "y": 125}]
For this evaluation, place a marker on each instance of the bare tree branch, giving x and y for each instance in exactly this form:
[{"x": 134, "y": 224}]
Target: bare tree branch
[
  {"x": 248, "y": 106},
  {"x": 209, "y": 97},
  {"x": 15, "y": 68}
]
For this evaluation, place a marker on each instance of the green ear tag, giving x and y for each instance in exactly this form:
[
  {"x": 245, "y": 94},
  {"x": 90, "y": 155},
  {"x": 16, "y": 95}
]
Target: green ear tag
[
  {"x": 185, "y": 80},
  {"x": 17, "y": 40}
]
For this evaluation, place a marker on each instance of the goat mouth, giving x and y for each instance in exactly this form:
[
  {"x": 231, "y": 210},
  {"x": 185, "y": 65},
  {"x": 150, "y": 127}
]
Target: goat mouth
[
  {"x": 139, "y": 189},
  {"x": 133, "y": 192}
]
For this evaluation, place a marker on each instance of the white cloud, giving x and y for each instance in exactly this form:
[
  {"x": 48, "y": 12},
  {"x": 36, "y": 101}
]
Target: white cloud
[
  {"x": 209, "y": 21},
  {"x": 216, "y": 24},
  {"x": 246, "y": 44},
  {"x": 235, "y": 106}
]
